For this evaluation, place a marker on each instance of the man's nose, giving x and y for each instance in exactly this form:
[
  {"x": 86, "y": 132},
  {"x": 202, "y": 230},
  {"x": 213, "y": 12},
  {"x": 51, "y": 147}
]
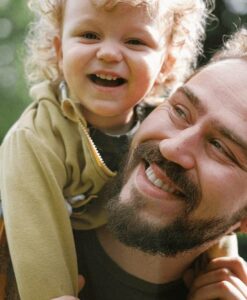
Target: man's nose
[
  {"x": 181, "y": 148},
  {"x": 109, "y": 52}
]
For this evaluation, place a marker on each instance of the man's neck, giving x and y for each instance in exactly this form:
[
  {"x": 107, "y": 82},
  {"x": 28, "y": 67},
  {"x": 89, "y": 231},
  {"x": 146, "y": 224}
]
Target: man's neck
[{"x": 152, "y": 268}]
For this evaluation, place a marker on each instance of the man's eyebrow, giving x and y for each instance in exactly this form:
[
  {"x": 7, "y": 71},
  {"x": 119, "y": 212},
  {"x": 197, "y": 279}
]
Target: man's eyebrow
[
  {"x": 232, "y": 136},
  {"x": 236, "y": 139},
  {"x": 193, "y": 99},
  {"x": 224, "y": 131}
]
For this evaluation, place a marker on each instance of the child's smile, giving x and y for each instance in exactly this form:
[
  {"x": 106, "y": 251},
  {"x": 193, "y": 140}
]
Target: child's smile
[
  {"x": 110, "y": 59},
  {"x": 106, "y": 80}
]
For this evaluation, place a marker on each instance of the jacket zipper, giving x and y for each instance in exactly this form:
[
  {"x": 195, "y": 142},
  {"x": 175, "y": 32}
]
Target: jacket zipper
[{"x": 96, "y": 153}]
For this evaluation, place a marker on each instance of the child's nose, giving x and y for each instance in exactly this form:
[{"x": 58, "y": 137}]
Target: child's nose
[
  {"x": 180, "y": 149},
  {"x": 109, "y": 52}
]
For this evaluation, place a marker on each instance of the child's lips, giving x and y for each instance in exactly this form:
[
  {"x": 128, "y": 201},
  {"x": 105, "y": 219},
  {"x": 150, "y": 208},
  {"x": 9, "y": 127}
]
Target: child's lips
[{"x": 106, "y": 80}]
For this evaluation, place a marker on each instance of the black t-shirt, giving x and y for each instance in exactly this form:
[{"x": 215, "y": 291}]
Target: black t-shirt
[
  {"x": 105, "y": 280},
  {"x": 113, "y": 148}
]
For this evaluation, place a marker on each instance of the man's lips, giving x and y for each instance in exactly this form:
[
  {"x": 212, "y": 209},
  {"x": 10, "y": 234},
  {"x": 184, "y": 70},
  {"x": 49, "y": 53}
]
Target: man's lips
[
  {"x": 165, "y": 176},
  {"x": 106, "y": 80},
  {"x": 161, "y": 181}
]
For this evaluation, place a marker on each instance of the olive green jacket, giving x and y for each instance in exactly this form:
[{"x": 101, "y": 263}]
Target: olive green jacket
[{"x": 46, "y": 158}]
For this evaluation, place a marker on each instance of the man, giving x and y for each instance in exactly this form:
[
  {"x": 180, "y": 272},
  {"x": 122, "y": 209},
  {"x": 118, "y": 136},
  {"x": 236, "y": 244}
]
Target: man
[{"x": 184, "y": 186}]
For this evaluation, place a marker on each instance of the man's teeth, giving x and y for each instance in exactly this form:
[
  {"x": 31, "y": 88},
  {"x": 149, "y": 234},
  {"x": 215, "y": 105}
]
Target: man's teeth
[
  {"x": 107, "y": 77},
  {"x": 157, "y": 182}
]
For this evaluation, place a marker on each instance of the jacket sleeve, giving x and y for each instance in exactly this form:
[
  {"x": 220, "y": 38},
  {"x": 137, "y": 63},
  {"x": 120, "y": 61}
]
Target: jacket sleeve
[{"x": 37, "y": 223}]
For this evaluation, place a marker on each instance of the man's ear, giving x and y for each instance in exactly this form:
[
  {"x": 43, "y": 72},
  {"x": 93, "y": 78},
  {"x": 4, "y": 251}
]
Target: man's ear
[
  {"x": 57, "y": 44},
  {"x": 243, "y": 225}
]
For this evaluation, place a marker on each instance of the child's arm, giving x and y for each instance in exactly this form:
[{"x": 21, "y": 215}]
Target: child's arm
[
  {"x": 81, "y": 283},
  {"x": 37, "y": 223}
]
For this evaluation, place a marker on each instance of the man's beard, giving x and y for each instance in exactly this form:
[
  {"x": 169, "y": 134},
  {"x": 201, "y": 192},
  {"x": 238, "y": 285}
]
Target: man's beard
[{"x": 182, "y": 234}]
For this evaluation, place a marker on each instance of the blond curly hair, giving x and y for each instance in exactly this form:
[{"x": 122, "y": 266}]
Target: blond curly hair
[{"x": 185, "y": 21}]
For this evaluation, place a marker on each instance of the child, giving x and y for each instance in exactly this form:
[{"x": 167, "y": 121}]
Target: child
[{"x": 90, "y": 65}]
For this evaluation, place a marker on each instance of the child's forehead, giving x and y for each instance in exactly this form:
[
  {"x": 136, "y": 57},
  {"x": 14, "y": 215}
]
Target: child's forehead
[
  {"x": 153, "y": 7},
  {"x": 112, "y": 3}
]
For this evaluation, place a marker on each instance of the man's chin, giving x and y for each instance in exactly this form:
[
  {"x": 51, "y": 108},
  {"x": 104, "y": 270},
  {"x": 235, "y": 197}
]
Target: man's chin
[{"x": 129, "y": 226}]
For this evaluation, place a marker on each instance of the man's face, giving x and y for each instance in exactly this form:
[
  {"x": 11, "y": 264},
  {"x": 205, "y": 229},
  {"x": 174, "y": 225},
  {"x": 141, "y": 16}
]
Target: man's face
[{"x": 186, "y": 180}]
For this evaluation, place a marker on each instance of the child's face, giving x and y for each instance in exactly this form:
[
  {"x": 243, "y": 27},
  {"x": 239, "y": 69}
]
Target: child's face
[{"x": 110, "y": 59}]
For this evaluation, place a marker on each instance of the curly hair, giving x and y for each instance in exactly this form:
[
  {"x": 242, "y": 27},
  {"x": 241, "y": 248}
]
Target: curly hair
[
  {"x": 234, "y": 47},
  {"x": 185, "y": 21}
]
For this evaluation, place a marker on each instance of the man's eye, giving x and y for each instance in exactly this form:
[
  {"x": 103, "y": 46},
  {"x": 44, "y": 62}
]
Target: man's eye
[
  {"x": 90, "y": 36},
  {"x": 222, "y": 149},
  {"x": 217, "y": 145},
  {"x": 180, "y": 112}
]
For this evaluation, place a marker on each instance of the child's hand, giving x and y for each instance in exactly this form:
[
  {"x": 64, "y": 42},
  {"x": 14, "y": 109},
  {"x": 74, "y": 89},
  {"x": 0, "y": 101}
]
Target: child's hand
[
  {"x": 81, "y": 283},
  {"x": 224, "y": 278}
]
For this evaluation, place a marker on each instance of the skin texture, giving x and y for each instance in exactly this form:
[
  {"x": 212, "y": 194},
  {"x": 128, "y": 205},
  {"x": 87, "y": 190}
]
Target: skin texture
[
  {"x": 206, "y": 135},
  {"x": 224, "y": 278},
  {"x": 99, "y": 41},
  {"x": 202, "y": 128}
]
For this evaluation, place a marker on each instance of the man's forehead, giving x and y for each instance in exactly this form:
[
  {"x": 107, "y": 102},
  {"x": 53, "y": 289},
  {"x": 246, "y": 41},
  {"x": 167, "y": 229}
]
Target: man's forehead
[
  {"x": 223, "y": 66},
  {"x": 223, "y": 82}
]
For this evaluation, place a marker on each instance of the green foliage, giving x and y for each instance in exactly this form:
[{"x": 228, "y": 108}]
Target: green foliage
[
  {"x": 242, "y": 240},
  {"x": 14, "y": 19},
  {"x": 14, "y": 97}
]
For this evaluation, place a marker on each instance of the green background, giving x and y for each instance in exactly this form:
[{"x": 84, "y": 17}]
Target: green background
[
  {"x": 13, "y": 94},
  {"x": 14, "y": 19}
]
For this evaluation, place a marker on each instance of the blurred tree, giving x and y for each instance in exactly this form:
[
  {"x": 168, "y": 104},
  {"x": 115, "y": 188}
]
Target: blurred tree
[
  {"x": 14, "y": 18},
  {"x": 13, "y": 21},
  {"x": 230, "y": 14}
]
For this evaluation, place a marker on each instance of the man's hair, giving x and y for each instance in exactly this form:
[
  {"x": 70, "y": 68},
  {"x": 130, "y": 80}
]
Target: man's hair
[
  {"x": 185, "y": 21},
  {"x": 234, "y": 47}
]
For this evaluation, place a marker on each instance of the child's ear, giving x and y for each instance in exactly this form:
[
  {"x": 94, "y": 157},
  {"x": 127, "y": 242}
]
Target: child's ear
[
  {"x": 168, "y": 64},
  {"x": 166, "y": 68},
  {"x": 57, "y": 43},
  {"x": 243, "y": 225}
]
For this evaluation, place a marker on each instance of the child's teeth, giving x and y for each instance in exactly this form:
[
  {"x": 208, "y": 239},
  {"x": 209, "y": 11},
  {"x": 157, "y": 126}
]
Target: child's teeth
[{"x": 108, "y": 77}]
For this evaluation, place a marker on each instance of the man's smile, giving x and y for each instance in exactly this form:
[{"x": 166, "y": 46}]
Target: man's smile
[
  {"x": 163, "y": 183},
  {"x": 161, "y": 179},
  {"x": 152, "y": 186}
]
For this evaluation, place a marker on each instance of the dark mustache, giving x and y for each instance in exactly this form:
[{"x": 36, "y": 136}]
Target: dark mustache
[{"x": 149, "y": 152}]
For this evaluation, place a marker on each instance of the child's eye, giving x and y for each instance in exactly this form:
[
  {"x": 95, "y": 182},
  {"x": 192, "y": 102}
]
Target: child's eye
[
  {"x": 135, "y": 42},
  {"x": 90, "y": 36}
]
